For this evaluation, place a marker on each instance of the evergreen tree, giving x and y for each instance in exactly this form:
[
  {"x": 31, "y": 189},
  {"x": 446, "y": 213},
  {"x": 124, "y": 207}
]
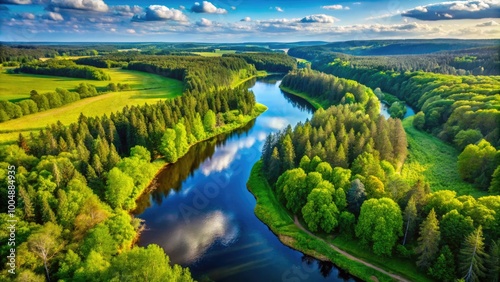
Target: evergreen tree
[
  {"x": 428, "y": 242},
  {"x": 410, "y": 217},
  {"x": 444, "y": 267},
  {"x": 473, "y": 257}
]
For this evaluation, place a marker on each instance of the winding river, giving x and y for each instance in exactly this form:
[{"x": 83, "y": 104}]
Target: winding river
[{"x": 202, "y": 214}]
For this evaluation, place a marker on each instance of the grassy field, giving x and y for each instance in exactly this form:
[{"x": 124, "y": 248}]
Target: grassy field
[
  {"x": 145, "y": 88},
  {"x": 15, "y": 87},
  {"x": 216, "y": 53},
  {"x": 436, "y": 161},
  {"x": 270, "y": 211}
]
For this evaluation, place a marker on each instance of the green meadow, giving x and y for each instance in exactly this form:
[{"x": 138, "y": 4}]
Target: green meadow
[
  {"x": 434, "y": 160},
  {"x": 145, "y": 88}
]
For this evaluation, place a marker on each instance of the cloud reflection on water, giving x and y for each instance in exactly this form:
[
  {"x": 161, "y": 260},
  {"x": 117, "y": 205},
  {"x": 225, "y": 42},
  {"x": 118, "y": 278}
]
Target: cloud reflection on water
[{"x": 187, "y": 242}]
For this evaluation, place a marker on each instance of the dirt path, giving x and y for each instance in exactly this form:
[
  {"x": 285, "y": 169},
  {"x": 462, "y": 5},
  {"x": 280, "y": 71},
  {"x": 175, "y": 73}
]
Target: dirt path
[{"x": 349, "y": 256}]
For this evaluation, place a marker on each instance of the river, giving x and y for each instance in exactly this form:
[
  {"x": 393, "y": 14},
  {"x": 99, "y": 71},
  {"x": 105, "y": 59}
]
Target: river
[{"x": 202, "y": 214}]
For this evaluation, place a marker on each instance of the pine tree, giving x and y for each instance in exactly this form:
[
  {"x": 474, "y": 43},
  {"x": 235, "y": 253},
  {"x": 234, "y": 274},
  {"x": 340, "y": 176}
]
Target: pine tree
[
  {"x": 274, "y": 166},
  {"x": 428, "y": 242},
  {"x": 410, "y": 216},
  {"x": 444, "y": 268},
  {"x": 494, "y": 261},
  {"x": 473, "y": 256}
]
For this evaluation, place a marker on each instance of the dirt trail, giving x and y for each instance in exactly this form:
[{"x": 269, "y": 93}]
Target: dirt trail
[{"x": 349, "y": 256}]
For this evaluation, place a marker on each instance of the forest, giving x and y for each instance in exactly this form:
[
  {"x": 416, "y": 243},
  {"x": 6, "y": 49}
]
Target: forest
[
  {"x": 339, "y": 172},
  {"x": 63, "y": 68},
  {"x": 78, "y": 183}
]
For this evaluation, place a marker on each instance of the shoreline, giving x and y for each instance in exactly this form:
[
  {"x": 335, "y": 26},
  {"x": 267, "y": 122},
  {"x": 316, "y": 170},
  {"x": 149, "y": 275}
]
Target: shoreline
[{"x": 271, "y": 213}]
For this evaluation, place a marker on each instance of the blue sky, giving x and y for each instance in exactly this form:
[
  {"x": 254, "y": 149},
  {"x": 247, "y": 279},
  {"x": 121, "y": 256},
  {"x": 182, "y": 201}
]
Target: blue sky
[{"x": 245, "y": 20}]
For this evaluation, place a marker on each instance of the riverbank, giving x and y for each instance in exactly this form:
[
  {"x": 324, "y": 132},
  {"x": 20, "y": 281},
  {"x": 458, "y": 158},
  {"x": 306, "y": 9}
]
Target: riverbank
[
  {"x": 161, "y": 163},
  {"x": 270, "y": 211},
  {"x": 315, "y": 103}
]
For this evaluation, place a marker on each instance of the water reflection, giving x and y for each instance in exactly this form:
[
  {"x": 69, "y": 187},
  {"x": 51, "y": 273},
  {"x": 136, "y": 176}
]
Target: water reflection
[
  {"x": 171, "y": 176},
  {"x": 223, "y": 157},
  {"x": 202, "y": 214},
  {"x": 185, "y": 242}
]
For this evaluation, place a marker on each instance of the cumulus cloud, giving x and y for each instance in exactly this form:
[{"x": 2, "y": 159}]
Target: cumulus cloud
[
  {"x": 126, "y": 10},
  {"x": 26, "y": 16},
  {"x": 335, "y": 7},
  {"x": 246, "y": 19},
  {"x": 161, "y": 13},
  {"x": 490, "y": 23},
  {"x": 130, "y": 30},
  {"x": 321, "y": 18},
  {"x": 278, "y": 9},
  {"x": 53, "y": 16},
  {"x": 86, "y": 5},
  {"x": 233, "y": 8},
  {"x": 16, "y": 2},
  {"x": 204, "y": 22},
  {"x": 207, "y": 7},
  {"x": 477, "y": 9}
]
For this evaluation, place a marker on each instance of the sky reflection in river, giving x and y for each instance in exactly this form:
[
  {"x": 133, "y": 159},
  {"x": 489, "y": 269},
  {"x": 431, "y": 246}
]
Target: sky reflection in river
[{"x": 202, "y": 213}]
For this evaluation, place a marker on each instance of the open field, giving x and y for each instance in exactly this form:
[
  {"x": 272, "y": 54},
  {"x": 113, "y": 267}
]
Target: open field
[
  {"x": 15, "y": 87},
  {"x": 146, "y": 88},
  {"x": 436, "y": 161},
  {"x": 216, "y": 53}
]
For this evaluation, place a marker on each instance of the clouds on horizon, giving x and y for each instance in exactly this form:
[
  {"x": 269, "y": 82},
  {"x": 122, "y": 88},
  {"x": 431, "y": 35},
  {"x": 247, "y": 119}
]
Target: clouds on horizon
[
  {"x": 455, "y": 10},
  {"x": 96, "y": 17}
]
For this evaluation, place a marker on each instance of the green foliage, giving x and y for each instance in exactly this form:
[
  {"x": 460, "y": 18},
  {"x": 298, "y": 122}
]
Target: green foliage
[
  {"x": 454, "y": 229},
  {"x": 380, "y": 223},
  {"x": 419, "y": 120},
  {"x": 397, "y": 110},
  {"x": 356, "y": 196},
  {"x": 444, "y": 267},
  {"x": 271, "y": 62},
  {"x": 478, "y": 162},
  {"x": 209, "y": 121},
  {"x": 63, "y": 68},
  {"x": 473, "y": 256},
  {"x": 320, "y": 211},
  {"x": 146, "y": 264},
  {"x": 428, "y": 241},
  {"x": 466, "y": 137},
  {"x": 118, "y": 187}
]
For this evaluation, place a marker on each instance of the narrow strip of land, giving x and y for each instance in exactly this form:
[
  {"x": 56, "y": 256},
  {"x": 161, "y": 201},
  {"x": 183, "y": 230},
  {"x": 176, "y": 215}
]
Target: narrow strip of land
[{"x": 349, "y": 256}]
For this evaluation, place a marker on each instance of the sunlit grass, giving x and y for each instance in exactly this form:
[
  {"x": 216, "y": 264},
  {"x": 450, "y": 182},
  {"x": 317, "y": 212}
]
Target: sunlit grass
[{"x": 435, "y": 161}]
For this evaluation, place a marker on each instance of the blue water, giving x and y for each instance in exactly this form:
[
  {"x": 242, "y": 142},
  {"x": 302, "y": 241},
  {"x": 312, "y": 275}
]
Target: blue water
[{"x": 202, "y": 214}]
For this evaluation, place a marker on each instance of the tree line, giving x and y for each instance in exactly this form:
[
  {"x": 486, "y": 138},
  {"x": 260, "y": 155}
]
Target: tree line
[
  {"x": 471, "y": 60},
  {"x": 270, "y": 62},
  {"x": 197, "y": 73},
  {"x": 50, "y": 100},
  {"x": 65, "y": 68},
  {"x": 347, "y": 182},
  {"x": 325, "y": 87}
]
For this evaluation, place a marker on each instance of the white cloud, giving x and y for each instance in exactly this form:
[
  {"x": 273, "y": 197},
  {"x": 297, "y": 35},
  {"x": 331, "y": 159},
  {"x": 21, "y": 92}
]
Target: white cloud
[
  {"x": 321, "y": 18},
  {"x": 490, "y": 23},
  {"x": 130, "y": 30},
  {"x": 233, "y": 8},
  {"x": 26, "y": 16},
  {"x": 126, "y": 10},
  {"x": 476, "y": 9},
  {"x": 246, "y": 19},
  {"x": 207, "y": 7},
  {"x": 16, "y": 2},
  {"x": 333, "y": 7},
  {"x": 53, "y": 16},
  {"x": 204, "y": 22},
  {"x": 161, "y": 13},
  {"x": 182, "y": 8},
  {"x": 87, "y": 5}
]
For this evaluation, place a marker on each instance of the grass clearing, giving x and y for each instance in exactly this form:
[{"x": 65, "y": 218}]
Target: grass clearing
[
  {"x": 436, "y": 161},
  {"x": 16, "y": 87},
  {"x": 145, "y": 88},
  {"x": 215, "y": 53}
]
